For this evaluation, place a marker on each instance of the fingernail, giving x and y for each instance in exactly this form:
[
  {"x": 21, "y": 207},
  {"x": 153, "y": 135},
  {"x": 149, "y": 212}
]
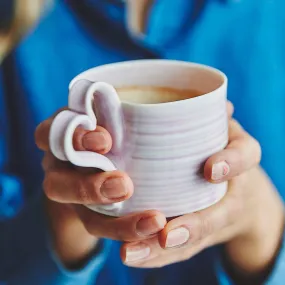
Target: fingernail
[
  {"x": 219, "y": 170},
  {"x": 137, "y": 252},
  {"x": 94, "y": 141},
  {"x": 151, "y": 225},
  {"x": 114, "y": 188},
  {"x": 177, "y": 237}
]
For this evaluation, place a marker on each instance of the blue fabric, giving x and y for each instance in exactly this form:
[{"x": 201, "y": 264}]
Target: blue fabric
[
  {"x": 245, "y": 39},
  {"x": 276, "y": 277},
  {"x": 29, "y": 258}
]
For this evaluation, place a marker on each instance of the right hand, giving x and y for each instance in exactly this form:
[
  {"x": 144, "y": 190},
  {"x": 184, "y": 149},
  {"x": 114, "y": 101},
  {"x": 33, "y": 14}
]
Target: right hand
[{"x": 68, "y": 188}]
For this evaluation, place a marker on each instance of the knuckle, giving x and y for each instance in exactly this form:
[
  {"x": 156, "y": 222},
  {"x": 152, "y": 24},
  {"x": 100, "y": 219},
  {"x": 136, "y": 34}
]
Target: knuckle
[
  {"x": 49, "y": 162},
  {"x": 236, "y": 127},
  {"x": 257, "y": 151},
  {"x": 124, "y": 229},
  {"x": 82, "y": 193},
  {"x": 47, "y": 186},
  {"x": 119, "y": 233},
  {"x": 204, "y": 225},
  {"x": 44, "y": 163},
  {"x": 93, "y": 184},
  {"x": 87, "y": 188}
]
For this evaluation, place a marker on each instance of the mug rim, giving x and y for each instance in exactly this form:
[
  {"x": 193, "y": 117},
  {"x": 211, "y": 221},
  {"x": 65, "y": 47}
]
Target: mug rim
[{"x": 167, "y": 62}]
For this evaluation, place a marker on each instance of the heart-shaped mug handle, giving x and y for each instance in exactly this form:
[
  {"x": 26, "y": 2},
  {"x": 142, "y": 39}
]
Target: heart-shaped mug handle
[{"x": 83, "y": 97}]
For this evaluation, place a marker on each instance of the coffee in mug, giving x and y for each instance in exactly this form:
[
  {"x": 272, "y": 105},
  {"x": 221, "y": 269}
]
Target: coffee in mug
[{"x": 154, "y": 95}]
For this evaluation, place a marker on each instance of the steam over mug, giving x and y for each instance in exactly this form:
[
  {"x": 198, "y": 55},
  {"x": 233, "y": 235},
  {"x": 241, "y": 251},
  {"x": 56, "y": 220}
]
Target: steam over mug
[{"x": 162, "y": 146}]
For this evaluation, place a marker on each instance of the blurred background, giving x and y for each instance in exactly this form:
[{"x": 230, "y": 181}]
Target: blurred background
[{"x": 16, "y": 18}]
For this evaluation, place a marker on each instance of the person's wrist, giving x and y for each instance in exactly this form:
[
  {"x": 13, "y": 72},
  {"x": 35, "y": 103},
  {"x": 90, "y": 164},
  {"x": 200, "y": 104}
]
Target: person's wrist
[
  {"x": 253, "y": 251},
  {"x": 72, "y": 243}
]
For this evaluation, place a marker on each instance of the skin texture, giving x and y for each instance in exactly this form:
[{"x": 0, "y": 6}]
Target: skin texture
[{"x": 242, "y": 220}]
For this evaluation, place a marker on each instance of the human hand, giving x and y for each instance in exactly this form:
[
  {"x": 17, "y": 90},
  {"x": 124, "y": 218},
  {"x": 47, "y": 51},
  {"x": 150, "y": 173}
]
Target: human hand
[
  {"x": 70, "y": 224},
  {"x": 242, "y": 219},
  {"x": 68, "y": 188}
]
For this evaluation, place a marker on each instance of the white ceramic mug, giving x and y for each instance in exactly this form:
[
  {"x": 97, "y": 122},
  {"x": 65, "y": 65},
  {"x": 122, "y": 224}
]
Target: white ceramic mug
[{"x": 162, "y": 147}]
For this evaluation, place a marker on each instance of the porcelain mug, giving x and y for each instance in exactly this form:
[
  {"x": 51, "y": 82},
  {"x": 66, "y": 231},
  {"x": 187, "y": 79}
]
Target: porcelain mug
[{"x": 163, "y": 146}]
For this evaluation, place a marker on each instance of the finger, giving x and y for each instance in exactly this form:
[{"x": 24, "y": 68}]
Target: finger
[
  {"x": 203, "y": 225},
  {"x": 71, "y": 186},
  {"x": 242, "y": 153},
  {"x": 230, "y": 109},
  {"x": 42, "y": 134},
  {"x": 51, "y": 163},
  {"x": 136, "y": 254},
  {"x": 137, "y": 226},
  {"x": 98, "y": 141},
  {"x": 149, "y": 254}
]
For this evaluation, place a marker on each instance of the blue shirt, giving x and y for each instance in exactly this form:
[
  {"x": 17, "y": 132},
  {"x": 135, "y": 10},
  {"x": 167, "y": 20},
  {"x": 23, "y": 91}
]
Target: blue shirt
[{"x": 245, "y": 39}]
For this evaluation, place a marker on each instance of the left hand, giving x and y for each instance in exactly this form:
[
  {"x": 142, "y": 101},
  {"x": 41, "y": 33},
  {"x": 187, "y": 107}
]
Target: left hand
[{"x": 242, "y": 219}]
